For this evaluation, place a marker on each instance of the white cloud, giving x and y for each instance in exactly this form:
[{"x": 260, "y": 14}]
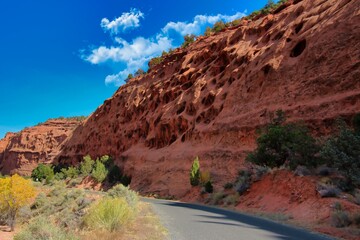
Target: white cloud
[
  {"x": 134, "y": 55},
  {"x": 125, "y": 21},
  {"x": 199, "y": 22}
]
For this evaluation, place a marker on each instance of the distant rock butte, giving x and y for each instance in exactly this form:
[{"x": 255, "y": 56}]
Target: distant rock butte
[
  {"x": 208, "y": 99},
  {"x": 22, "y": 152}
]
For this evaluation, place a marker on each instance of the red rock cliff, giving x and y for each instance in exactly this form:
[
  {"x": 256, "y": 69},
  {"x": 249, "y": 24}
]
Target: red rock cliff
[
  {"x": 209, "y": 98},
  {"x": 22, "y": 152}
]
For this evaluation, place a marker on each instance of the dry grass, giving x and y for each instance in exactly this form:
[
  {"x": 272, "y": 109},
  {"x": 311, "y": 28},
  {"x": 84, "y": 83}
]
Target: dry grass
[{"x": 147, "y": 226}]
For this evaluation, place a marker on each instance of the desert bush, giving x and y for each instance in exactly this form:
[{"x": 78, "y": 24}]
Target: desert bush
[
  {"x": 63, "y": 205},
  {"x": 243, "y": 182},
  {"x": 75, "y": 181},
  {"x": 86, "y": 166},
  {"x": 195, "y": 172},
  {"x": 188, "y": 39},
  {"x": 218, "y": 26},
  {"x": 342, "y": 151},
  {"x": 43, "y": 229},
  {"x": 301, "y": 171},
  {"x": 284, "y": 144},
  {"x": 205, "y": 177},
  {"x": 328, "y": 190},
  {"x": 217, "y": 197},
  {"x": 356, "y": 219},
  {"x": 208, "y": 31},
  {"x": 340, "y": 219},
  {"x": 155, "y": 61},
  {"x": 108, "y": 214},
  {"x": 43, "y": 172},
  {"x": 139, "y": 72},
  {"x": 99, "y": 173},
  {"x": 357, "y": 198},
  {"x": 120, "y": 191},
  {"x": 231, "y": 199},
  {"x": 15, "y": 193},
  {"x": 228, "y": 185}
]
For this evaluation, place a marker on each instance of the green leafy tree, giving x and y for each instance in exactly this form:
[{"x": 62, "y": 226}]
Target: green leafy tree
[
  {"x": 86, "y": 166},
  {"x": 285, "y": 144},
  {"x": 208, "y": 31},
  {"x": 342, "y": 151},
  {"x": 70, "y": 172},
  {"x": 195, "y": 172},
  {"x": 99, "y": 173},
  {"x": 43, "y": 172}
]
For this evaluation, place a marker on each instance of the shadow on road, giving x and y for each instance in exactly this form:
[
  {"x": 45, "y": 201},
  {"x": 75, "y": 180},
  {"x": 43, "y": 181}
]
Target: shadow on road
[{"x": 282, "y": 231}]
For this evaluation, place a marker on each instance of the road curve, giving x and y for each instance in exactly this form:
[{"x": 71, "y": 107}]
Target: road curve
[{"x": 187, "y": 221}]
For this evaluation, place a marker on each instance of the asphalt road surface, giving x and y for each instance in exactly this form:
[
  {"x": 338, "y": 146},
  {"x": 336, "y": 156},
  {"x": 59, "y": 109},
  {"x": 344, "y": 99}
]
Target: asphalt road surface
[{"x": 186, "y": 221}]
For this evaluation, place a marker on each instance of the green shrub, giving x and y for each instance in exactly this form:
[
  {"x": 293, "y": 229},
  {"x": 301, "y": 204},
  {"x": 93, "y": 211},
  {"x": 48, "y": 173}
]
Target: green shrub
[
  {"x": 217, "y": 197},
  {"x": 231, "y": 199},
  {"x": 99, "y": 173},
  {"x": 139, "y": 72},
  {"x": 228, "y": 185},
  {"x": 243, "y": 182},
  {"x": 195, "y": 172},
  {"x": 108, "y": 214},
  {"x": 281, "y": 144},
  {"x": 43, "y": 172},
  {"x": 155, "y": 61},
  {"x": 188, "y": 39},
  {"x": 218, "y": 26},
  {"x": 340, "y": 219},
  {"x": 63, "y": 205},
  {"x": 42, "y": 229},
  {"x": 208, "y": 187},
  {"x": 86, "y": 166},
  {"x": 120, "y": 191},
  {"x": 70, "y": 172},
  {"x": 208, "y": 31},
  {"x": 342, "y": 151}
]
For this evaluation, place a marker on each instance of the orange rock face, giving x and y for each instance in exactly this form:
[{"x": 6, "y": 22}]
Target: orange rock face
[
  {"x": 208, "y": 99},
  {"x": 22, "y": 152}
]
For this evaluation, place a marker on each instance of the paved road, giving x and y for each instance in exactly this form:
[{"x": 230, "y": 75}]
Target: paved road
[{"x": 197, "y": 222}]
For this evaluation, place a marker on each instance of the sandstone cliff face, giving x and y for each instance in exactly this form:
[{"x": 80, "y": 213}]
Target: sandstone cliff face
[
  {"x": 22, "y": 152},
  {"x": 209, "y": 98}
]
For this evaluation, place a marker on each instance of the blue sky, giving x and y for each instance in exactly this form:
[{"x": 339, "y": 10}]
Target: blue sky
[{"x": 64, "y": 58}]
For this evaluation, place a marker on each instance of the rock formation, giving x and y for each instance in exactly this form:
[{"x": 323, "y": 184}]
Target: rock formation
[
  {"x": 208, "y": 99},
  {"x": 22, "y": 152}
]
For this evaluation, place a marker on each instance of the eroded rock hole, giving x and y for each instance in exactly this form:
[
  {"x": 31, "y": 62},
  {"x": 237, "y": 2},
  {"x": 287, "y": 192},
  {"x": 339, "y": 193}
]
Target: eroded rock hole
[
  {"x": 298, "y": 49},
  {"x": 299, "y": 27}
]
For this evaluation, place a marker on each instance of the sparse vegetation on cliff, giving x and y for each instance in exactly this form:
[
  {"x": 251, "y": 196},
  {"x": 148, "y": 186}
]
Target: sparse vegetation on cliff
[{"x": 285, "y": 144}]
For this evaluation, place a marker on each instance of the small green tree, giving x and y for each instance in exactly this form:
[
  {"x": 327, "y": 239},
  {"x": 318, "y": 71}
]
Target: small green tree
[
  {"x": 43, "y": 172},
  {"x": 288, "y": 144},
  {"x": 342, "y": 151},
  {"x": 208, "y": 31},
  {"x": 195, "y": 172},
  {"x": 70, "y": 172},
  {"x": 139, "y": 72},
  {"x": 99, "y": 173},
  {"x": 218, "y": 26},
  {"x": 188, "y": 39},
  {"x": 86, "y": 166}
]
